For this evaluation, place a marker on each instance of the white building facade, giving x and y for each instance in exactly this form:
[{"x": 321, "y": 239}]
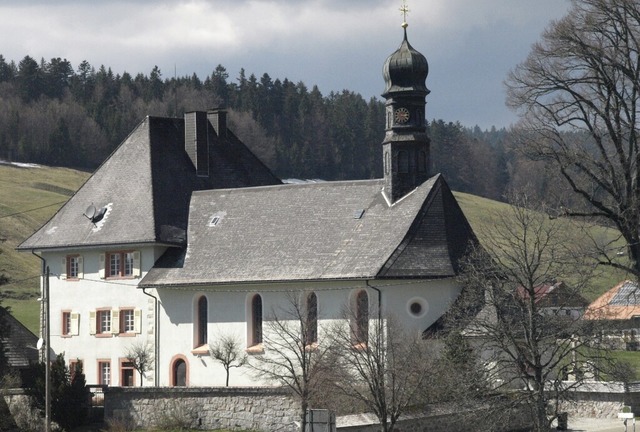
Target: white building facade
[{"x": 193, "y": 238}]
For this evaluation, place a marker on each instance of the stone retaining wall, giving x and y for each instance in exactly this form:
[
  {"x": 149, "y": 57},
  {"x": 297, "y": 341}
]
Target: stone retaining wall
[
  {"x": 442, "y": 421},
  {"x": 261, "y": 409},
  {"x": 598, "y": 399},
  {"x": 270, "y": 409}
]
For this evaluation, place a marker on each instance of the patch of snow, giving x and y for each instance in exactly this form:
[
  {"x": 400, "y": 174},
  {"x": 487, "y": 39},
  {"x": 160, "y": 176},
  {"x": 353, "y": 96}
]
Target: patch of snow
[
  {"x": 299, "y": 181},
  {"x": 102, "y": 221},
  {"x": 20, "y": 164}
]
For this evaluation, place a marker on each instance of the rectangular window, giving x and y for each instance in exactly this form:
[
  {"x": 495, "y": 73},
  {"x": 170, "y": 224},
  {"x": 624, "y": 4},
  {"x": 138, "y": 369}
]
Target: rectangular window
[
  {"x": 71, "y": 267},
  {"x": 66, "y": 323},
  {"x": 122, "y": 264},
  {"x": 114, "y": 265},
  {"x": 127, "y": 321},
  {"x": 104, "y": 371},
  {"x": 103, "y": 321},
  {"x": 70, "y": 323}
]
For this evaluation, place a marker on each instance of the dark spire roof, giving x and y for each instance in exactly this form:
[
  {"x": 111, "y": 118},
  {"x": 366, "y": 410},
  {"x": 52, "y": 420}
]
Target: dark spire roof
[{"x": 405, "y": 70}]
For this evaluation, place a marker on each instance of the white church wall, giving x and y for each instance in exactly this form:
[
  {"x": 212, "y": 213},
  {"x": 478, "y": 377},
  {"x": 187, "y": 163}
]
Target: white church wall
[
  {"x": 228, "y": 313},
  {"x": 418, "y": 304}
]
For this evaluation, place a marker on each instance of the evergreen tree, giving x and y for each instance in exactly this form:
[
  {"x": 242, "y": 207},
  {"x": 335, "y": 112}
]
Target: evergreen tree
[
  {"x": 30, "y": 82},
  {"x": 6, "y": 72},
  {"x": 60, "y": 145},
  {"x": 70, "y": 396}
]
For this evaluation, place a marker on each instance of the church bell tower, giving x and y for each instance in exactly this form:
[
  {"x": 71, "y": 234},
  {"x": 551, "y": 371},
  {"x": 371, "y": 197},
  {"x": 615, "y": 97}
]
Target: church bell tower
[{"x": 405, "y": 147}]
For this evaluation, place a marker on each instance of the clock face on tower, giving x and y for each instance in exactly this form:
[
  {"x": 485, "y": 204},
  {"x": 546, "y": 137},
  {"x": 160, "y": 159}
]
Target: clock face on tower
[{"x": 401, "y": 115}]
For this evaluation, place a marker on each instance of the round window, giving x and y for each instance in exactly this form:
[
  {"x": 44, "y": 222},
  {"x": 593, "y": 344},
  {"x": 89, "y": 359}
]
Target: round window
[{"x": 417, "y": 307}]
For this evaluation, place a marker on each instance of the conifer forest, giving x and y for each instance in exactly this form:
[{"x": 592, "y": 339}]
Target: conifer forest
[{"x": 55, "y": 113}]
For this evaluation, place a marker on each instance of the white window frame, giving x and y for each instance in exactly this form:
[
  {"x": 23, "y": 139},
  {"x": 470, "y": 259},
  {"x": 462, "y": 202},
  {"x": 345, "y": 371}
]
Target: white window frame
[
  {"x": 125, "y": 266},
  {"x": 67, "y": 265},
  {"x": 70, "y": 323},
  {"x": 104, "y": 372}
]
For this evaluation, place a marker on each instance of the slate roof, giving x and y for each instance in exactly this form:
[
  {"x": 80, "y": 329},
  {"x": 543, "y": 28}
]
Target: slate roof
[
  {"x": 146, "y": 186},
  {"x": 313, "y": 232},
  {"x": 20, "y": 343}
]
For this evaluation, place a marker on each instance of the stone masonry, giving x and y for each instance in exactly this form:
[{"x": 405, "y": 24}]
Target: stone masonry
[{"x": 260, "y": 409}]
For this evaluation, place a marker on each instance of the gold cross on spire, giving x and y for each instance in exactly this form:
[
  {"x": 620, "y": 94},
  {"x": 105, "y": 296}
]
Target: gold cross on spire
[{"x": 405, "y": 10}]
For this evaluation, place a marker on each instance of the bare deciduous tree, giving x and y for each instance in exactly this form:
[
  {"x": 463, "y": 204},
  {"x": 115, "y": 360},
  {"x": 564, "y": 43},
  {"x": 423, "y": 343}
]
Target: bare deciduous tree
[
  {"x": 140, "y": 354},
  {"x": 228, "y": 351},
  {"x": 528, "y": 278},
  {"x": 578, "y": 94},
  {"x": 293, "y": 357},
  {"x": 384, "y": 368}
]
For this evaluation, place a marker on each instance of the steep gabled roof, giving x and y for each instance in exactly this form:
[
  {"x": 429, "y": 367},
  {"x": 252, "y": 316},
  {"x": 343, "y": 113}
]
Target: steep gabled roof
[
  {"x": 553, "y": 294},
  {"x": 20, "y": 343},
  {"x": 145, "y": 187},
  {"x": 322, "y": 231}
]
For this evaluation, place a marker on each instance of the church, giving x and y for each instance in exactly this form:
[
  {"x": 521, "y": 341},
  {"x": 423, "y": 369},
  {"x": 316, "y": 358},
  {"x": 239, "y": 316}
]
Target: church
[{"x": 183, "y": 236}]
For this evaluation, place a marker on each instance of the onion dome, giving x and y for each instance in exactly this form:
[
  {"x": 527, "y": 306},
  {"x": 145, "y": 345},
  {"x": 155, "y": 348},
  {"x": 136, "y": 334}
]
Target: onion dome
[{"x": 405, "y": 70}]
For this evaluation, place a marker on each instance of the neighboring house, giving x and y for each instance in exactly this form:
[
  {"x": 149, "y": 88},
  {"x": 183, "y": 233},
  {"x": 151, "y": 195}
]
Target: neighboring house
[
  {"x": 620, "y": 306},
  {"x": 557, "y": 298},
  {"x": 621, "y": 303},
  {"x": 183, "y": 236},
  {"x": 555, "y": 301},
  {"x": 19, "y": 343}
]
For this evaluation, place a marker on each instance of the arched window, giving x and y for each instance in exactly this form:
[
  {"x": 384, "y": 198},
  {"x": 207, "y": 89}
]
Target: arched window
[
  {"x": 179, "y": 372},
  {"x": 256, "y": 320},
  {"x": 387, "y": 162},
  {"x": 202, "y": 319},
  {"x": 403, "y": 162},
  {"x": 312, "y": 319},
  {"x": 361, "y": 331}
]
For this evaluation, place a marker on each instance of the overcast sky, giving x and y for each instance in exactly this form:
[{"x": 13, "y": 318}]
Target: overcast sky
[{"x": 335, "y": 44}]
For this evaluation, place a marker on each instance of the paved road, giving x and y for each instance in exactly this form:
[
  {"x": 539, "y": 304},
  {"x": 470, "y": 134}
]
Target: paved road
[{"x": 600, "y": 425}]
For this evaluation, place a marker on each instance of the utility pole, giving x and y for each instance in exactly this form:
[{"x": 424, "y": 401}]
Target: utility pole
[{"x": 47, "y": 354}]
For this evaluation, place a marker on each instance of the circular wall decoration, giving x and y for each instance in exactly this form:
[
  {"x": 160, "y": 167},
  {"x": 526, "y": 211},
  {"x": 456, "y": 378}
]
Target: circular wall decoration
[{"x": 417, "y": 307}]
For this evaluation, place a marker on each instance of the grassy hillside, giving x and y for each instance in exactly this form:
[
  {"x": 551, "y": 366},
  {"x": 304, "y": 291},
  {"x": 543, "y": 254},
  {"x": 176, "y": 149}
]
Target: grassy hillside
[
  {"x": 29, "y": 196},
  {"x": 480, "y": 212}
]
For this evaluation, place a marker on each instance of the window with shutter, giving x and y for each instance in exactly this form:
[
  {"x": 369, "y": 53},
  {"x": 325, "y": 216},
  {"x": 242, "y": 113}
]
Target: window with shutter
[
  {"x": 80, "y": 267},
  {"x": 101, "y": 271},
  {"x": 122, "y": 264},
  {"x": 115, "y": 321},
  {"x": 127, "y": 321},
  {"x": 63, "y": 268},
  {"x": 137, "y": 321},
  {"x": 93, "y": 326},
  {"x": 75, "y": 324},
  {"x": 103, "y": 321},
  {"x": 66, "y": 323},
  {"x": 73, "y": 267}
]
